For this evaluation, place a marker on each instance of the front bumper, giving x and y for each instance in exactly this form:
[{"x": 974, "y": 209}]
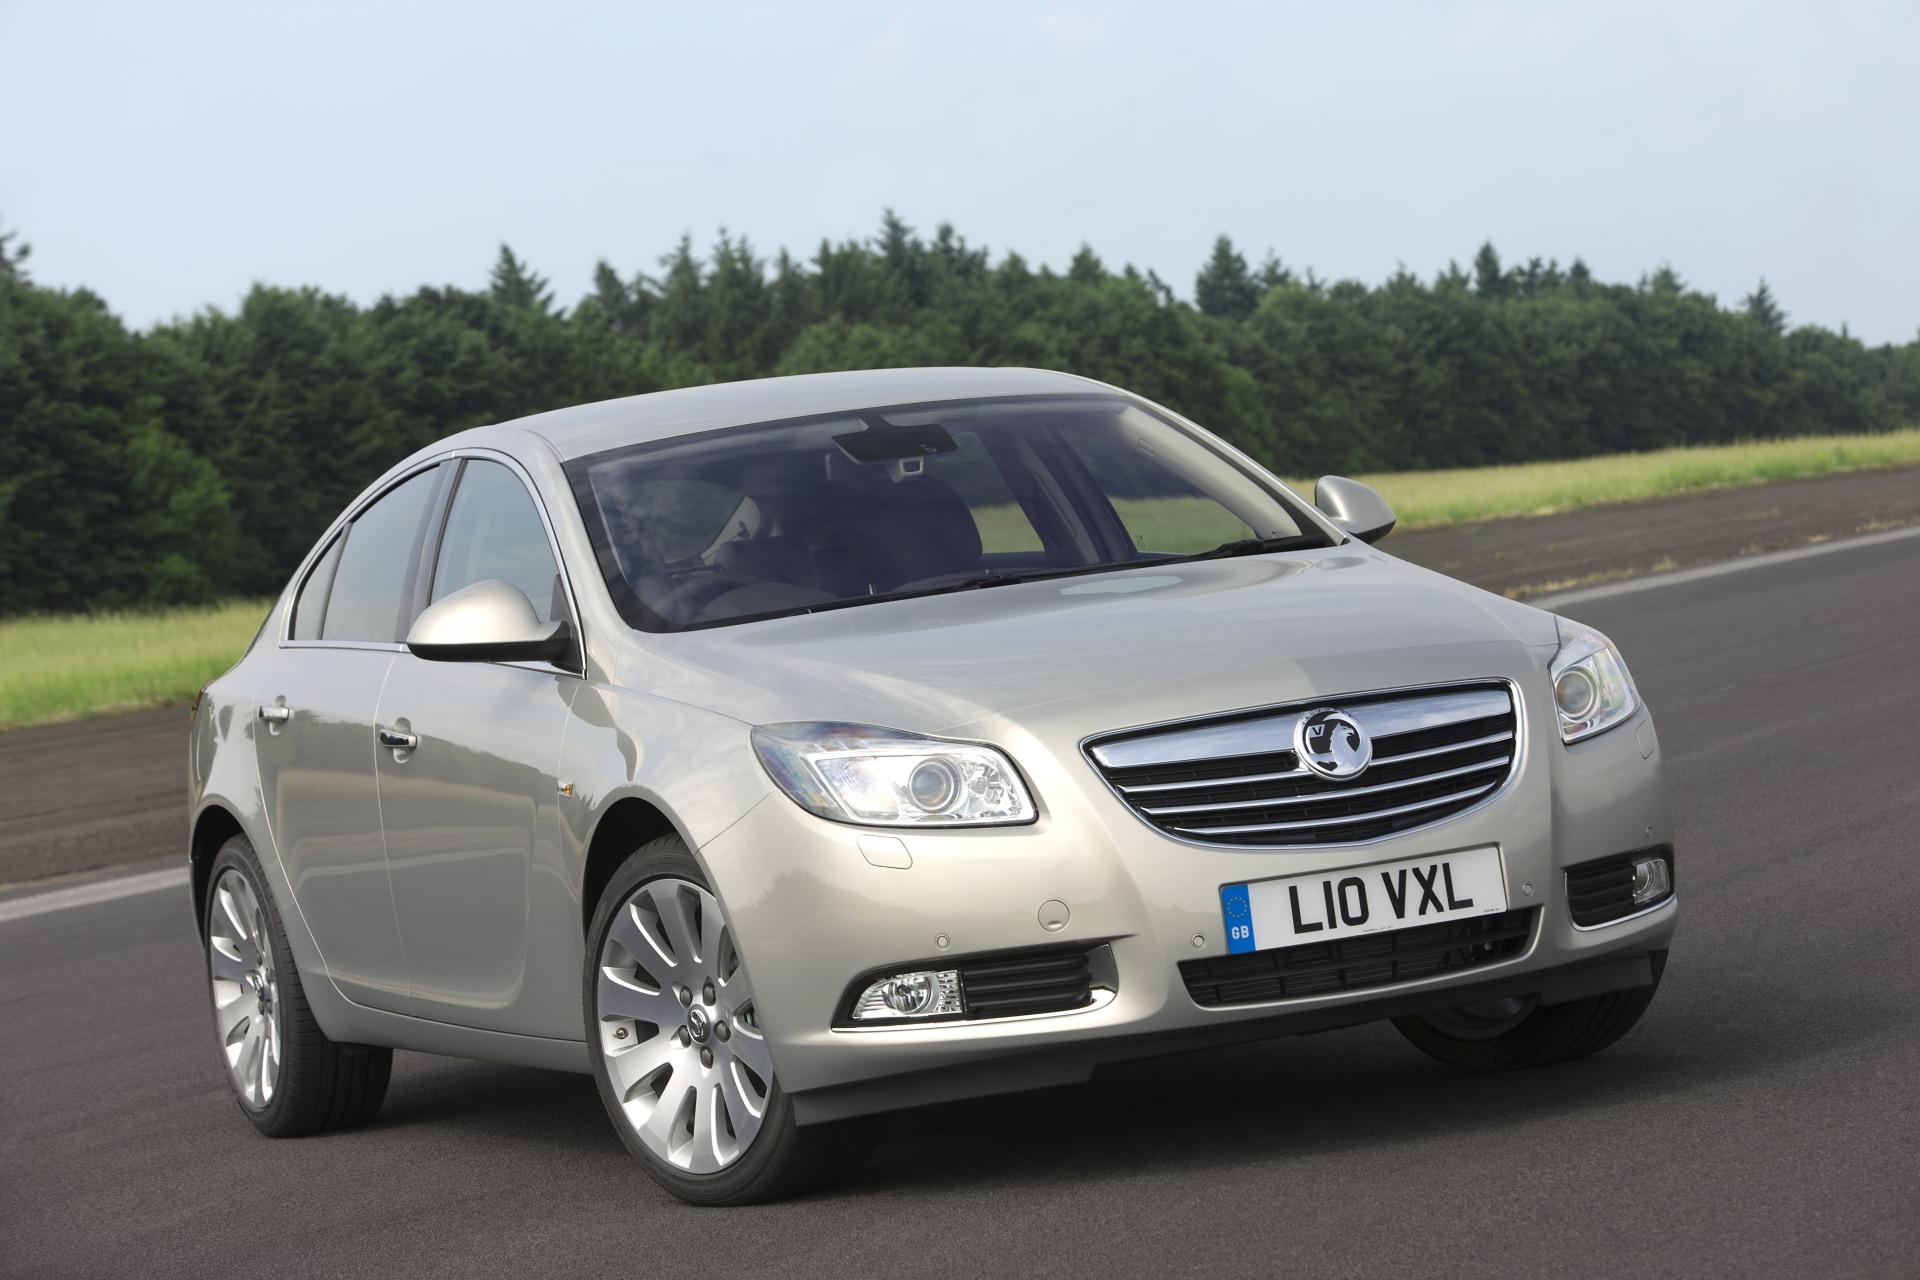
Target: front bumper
[{"x": 812, "y": 912}]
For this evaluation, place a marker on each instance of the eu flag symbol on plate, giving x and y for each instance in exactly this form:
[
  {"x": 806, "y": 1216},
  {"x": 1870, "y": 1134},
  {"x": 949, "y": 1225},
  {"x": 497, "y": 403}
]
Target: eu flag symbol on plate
[{"x": 1238, "y": 912}]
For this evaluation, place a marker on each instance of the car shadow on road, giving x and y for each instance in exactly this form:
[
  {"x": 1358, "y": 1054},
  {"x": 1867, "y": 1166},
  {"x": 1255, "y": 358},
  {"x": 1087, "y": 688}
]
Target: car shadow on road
[
  {"x": 1290, "y": 1099},
  {"x": 1346, "y": 1091}
]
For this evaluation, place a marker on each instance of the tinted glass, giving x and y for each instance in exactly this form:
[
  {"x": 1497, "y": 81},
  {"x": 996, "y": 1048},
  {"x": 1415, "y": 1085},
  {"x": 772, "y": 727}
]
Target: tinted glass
[
  {"x": 815, "y": 513},
  {"x": 311, "y": 604},
  {"x": 494, "y": 531},
  {"x": 370, "y": 585}
]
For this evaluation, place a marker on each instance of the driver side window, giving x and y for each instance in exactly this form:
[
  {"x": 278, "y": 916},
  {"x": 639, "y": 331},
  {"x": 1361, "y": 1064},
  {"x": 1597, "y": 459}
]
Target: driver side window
[{"x": 494, "y": 531}]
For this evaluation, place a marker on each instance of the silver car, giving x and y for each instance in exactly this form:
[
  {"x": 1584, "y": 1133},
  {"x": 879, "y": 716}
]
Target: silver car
[{"x": 785, "y": 753}]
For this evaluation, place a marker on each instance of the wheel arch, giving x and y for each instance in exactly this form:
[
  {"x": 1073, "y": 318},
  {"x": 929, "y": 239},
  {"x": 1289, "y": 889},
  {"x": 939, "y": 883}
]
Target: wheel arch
[
  {"x": 213, "y": 826},
  {"x": 627, "y": 823}
]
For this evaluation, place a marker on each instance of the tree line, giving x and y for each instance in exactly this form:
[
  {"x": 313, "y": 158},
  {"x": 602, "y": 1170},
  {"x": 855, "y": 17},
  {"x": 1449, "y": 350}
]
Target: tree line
[{"x": 200, "y": 459}]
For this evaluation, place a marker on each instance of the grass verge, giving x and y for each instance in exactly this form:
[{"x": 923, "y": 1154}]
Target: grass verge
[
  {"x": 1426, "y": 499},
  {"x": 61, "y": 668}
]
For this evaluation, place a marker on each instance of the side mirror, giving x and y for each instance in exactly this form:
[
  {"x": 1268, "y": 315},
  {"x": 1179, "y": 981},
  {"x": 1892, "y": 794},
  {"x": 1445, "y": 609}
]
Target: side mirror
[
  {"x": 1354, "y": 507},
  {"x": 490, "y": 621}
]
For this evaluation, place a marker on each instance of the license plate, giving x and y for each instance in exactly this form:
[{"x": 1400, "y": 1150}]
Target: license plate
[{"x": 1341, "y": 904}]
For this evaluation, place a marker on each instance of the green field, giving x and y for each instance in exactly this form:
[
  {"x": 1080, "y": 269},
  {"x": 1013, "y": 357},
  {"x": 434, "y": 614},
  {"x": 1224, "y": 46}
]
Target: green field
[
  {"x": 66, "y": 667},
  {"x": 61, "y": 668},
  {"x": 1424, "y": 499}
]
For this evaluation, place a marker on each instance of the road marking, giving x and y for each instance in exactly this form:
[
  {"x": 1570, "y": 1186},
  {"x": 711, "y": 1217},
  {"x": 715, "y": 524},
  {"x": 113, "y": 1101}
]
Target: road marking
[
  {"x": 84, "y": 895},
  {"x": 1560, "y": 599}
]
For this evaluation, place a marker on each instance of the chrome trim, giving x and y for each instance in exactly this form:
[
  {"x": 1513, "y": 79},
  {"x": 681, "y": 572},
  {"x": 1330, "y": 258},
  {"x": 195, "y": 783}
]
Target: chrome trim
[
  {"x": 1341, "y": 794},
  {"x": 1247, "y": 779},
  {"x": 1487, "y": 741},
  {"x": 1522, "y": 746},
  {"x": 1241, "y": 780},
  {"x": 1347, "y": 821},
  {"x": 1269, "y": 735},
  {"x": 1102, "y": 997},
  {"x": 513, "y": 464},
  {"x": 1670, "y": 900}
]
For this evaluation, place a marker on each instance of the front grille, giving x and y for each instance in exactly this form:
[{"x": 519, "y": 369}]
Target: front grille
[
  {"x": 1352, "y": 964},
  {"x": 1602, "y": 890},
  {"x": 1236, "y": 780},
  {"x": 1032, "y": 982}
]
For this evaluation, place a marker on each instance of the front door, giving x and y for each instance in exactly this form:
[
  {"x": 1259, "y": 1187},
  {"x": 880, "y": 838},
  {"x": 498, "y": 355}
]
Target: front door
[
  {"x": 470, "y": 823},
  {"x": 470, "y": 808}
]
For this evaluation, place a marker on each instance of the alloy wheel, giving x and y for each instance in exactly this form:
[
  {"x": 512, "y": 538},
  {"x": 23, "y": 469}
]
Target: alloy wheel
[
  {"x": 675, "y": 1025},
  {"x": 245, "y": 993}
]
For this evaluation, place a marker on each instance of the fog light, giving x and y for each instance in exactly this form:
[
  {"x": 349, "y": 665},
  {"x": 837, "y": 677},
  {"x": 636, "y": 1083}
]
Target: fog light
[
  {"x": 1652, "y": 880},
  {"x": 930, "y": 993}
]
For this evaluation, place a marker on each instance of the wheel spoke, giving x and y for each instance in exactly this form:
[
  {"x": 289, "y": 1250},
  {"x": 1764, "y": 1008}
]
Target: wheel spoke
[
  {"x": 665, "y": 1128},
  {"x": 633, "y": 930},
  {"x": 712, "y": 1145},
  {"x": 617, "y": 995},
  {"x": 750, "y": 1046},
  {"x": 628, "y": 1067},
  {"x": 712, "y": 930},
  {"x": 223, "y": 963},
  {"x": 676, "y": 921},
  {"x": 744, "y": 1109},
  {"x": 228, "y": 1014}
]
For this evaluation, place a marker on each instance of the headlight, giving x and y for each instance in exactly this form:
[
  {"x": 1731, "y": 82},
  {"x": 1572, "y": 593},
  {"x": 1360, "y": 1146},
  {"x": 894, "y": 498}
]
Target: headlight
[
  {"x": 885, "y": 778},
  {"x": 1592, "y": 691}
]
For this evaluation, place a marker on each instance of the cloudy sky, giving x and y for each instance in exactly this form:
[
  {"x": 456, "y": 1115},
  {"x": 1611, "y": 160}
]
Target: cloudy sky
[{"x": 168, "y": 155}]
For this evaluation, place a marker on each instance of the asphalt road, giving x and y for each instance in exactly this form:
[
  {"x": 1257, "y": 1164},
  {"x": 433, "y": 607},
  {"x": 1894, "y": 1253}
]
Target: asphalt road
[{"x": 1763, "y": 1119}]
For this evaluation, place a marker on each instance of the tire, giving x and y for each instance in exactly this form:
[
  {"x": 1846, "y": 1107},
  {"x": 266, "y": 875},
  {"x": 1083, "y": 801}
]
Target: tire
[
  {"x": 288, "y": 1078},
  {"x": 671, "y": 1095},
  {"x": 1492, "y": 1038}
]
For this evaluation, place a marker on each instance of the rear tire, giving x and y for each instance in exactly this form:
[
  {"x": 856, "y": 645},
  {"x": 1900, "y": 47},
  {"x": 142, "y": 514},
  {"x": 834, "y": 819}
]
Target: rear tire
[
  {"x": 1478, "y": 1038},
  {"x": 287, "y": 1076},
  {"x": 675, "y": 1092}
]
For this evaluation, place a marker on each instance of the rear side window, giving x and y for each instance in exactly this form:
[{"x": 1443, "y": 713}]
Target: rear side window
[
  {"x": 494, "y": 531},
  {"x": 310, "y": 606},
  {"x": 376, "y": 565}
]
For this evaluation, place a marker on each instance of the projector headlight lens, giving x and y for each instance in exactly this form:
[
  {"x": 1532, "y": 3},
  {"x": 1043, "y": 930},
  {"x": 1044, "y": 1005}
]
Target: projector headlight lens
[
  {"x": 1592, "y": 691},
  {"x": 886, "y": 778}
]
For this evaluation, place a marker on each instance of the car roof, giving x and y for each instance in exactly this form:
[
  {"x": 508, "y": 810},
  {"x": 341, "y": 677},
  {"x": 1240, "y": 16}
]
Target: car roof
[{"x": 659, "y": 415}]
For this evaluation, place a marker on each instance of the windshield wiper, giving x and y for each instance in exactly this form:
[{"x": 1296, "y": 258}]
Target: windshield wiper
[
  {"x": 1258, "y": 546},
  {"x": 1000, "y": 578}
]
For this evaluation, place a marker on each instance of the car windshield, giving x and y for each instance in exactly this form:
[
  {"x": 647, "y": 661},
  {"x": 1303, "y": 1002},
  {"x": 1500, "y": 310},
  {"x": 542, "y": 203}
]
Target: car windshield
[{"x": 883, "y": 504}]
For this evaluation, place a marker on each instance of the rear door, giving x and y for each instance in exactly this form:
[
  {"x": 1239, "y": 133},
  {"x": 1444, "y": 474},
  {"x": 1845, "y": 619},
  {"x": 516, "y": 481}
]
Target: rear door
[
  {"x": 316, "y": 744},
  {"x": 472, "y": 832}
]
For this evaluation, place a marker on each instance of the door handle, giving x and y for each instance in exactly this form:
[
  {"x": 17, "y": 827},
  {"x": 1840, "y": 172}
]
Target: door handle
[
  {"x": 276, "y": 714},
  {"x": 397, "y": 740}
]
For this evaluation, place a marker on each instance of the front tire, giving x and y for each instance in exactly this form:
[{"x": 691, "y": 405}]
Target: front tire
[
  {"x": 681, "y": 1063},
  {"x": 1514, "y": 1036},
  {"x": 287, "y": 1076}
]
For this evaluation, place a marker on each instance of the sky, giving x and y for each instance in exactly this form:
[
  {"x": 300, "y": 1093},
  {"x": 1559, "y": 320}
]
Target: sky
[{"x": 169, "y": 155}]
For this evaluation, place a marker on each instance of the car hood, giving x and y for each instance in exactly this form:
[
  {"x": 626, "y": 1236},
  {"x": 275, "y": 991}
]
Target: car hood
[{"x": 1121, "y": 648}]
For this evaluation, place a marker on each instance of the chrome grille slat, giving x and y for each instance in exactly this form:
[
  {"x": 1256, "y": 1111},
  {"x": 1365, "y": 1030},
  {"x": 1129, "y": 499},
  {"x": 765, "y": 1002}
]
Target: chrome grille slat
[
  {"x": 1244, "y": 780},
  {"x": 1270, "y": 734},
  {"x": 1385, "y": 758},
  {"x": 1321, "y": 797},
  {"x": 1437, "y": 751},
  {"x": 1247, "y": 780},
  {"x": 1349, "y": 819}
]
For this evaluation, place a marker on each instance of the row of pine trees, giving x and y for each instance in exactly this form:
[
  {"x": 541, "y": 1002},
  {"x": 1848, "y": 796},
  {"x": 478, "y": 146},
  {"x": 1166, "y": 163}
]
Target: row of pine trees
[{"x": 199, "y": 459}]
